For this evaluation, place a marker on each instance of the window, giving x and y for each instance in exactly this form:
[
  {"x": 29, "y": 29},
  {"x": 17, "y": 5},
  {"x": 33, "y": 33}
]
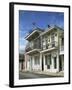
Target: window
[
  {"x": 48, "y": 40},
  {"x": 48, "y": 66},
  {"x": 53, "y": 45},
  {"x": 52, "y": 37},
  {"x": 62, "y": 43},
  {"x": 36, "y": 60},
  {"x": 55, "y": 63},
  {"x": 46, "y": 44},
  {"x": 55, "y": 34},
  {"x": 46, "y": 60},
  {"x": 31, "y": 44}
]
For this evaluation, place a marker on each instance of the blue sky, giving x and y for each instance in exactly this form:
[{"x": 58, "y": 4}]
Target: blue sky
[{"x": 42, "y": 19}]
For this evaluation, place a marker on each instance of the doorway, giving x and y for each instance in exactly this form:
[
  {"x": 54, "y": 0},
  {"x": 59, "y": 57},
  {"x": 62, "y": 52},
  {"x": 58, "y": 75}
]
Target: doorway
[
  {"x": 42, "y": 64},
  {"x": 61, "y": 62}
]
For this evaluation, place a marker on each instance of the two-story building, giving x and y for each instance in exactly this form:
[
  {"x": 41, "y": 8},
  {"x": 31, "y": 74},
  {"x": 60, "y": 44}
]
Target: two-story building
[{"x": 45, "y": 50}]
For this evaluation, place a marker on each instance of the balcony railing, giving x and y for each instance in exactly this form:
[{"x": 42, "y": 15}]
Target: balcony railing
[
  {"x": 35, "y": 46},
  {"x": 38, "y": 46},
  {"x": 50, "y": 45}
]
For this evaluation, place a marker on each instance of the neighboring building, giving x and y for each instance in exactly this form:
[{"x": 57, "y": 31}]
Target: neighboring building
[
  {"x": 21, "y": 62},
  {"x": 45, "y": 50}
]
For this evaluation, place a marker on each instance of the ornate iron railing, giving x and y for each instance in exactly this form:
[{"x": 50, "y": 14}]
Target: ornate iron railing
[{"x": 50, "y": 45}]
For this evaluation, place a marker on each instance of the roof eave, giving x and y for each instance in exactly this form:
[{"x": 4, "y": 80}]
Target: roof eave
[{"x": 31, "y": 34}]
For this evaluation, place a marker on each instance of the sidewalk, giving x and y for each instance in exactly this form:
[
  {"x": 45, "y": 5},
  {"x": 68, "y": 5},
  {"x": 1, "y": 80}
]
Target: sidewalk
[{"x": 57, "y": 74}]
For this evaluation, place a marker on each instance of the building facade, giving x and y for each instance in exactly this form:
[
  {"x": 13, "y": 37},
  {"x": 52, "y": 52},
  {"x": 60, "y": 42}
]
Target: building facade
[{"x": 45, "y": 50}]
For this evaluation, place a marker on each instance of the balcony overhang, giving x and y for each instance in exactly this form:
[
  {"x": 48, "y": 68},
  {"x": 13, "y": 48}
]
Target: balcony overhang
[
  {"x": 34, "y": 51},
  {"x": 48, "y": 50},
  {"x": 33, "y": 35}
]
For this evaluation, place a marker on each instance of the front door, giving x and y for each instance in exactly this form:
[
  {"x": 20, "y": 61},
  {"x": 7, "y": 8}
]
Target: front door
[
  {"x": 48, "y": 61},
  {"x": 42, "y": 64}
]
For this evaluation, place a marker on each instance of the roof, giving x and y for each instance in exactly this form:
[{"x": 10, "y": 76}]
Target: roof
[
  {"x": 35, "y": 30},
  {"x": 51, "y": 28}
]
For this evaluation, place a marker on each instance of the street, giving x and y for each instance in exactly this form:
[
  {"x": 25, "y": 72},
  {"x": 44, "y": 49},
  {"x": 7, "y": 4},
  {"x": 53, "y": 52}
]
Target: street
[{"x": 31, "y": 75}]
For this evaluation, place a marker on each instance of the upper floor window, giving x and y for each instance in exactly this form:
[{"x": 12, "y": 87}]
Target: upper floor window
[
  {"x": 48, "y": 39},
  {"x": 31, "y": 44},
  {"x": 62, "y": 41},
  {"x": 55, "y": 34},
  {"x": 52, "y": 37}
]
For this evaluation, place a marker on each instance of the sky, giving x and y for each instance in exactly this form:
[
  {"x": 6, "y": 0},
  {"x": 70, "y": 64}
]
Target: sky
[{"x": 41, "y": 19}]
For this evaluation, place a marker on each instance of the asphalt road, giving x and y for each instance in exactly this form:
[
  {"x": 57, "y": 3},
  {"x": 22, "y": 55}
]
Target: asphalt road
[{"x": 30, "y": 75}]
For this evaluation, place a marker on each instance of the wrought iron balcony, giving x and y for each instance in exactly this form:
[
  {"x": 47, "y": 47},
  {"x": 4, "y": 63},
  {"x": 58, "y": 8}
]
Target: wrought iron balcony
[
  {"x": 35, "y": 46},
  {"x": 38, "y": 46},
  {"x": 50, "y": 45}
]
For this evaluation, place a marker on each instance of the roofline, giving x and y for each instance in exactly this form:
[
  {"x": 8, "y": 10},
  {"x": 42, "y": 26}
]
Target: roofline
[
  {"x": 51, "y": 29},
  {"x": 32, "y": 33}
]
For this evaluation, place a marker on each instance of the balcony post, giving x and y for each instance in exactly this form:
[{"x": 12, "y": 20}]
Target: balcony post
[{"x": 57, "y": 61}]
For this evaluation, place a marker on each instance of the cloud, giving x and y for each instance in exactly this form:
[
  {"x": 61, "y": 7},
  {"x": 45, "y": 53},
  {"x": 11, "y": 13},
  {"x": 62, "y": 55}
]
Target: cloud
[
  {"x": 22, "y": 47},
  {"x": 22, "y": 43}
]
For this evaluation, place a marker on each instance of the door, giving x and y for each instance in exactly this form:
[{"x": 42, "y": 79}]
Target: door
[
  {"x": 31, "y": 63},
  {"x": 42, "y": 64},
  {"x": 48, "y": 61},
  {"x": 60, "y": 63}
]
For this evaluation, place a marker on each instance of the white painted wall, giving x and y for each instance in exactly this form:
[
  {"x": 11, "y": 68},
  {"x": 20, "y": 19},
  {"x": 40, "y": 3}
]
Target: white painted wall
[
  {"x": 61, "y": 51},
  {"x": 52, "y": 69},
  {"x": 49, "y": 37},
  {"x": 33, "y": 66}
]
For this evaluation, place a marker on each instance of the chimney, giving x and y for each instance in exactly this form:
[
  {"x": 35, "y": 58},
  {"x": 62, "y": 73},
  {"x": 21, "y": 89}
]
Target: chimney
[{"x": 49, "y": 26}]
